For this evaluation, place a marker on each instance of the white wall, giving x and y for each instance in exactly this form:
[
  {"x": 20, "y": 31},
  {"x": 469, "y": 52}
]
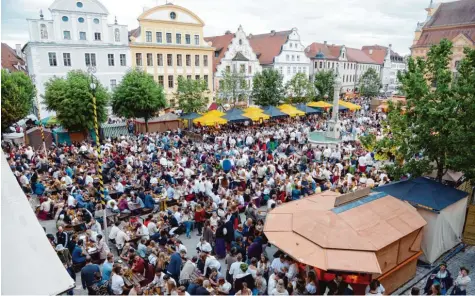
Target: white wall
[{"x": 292, "y": 59}]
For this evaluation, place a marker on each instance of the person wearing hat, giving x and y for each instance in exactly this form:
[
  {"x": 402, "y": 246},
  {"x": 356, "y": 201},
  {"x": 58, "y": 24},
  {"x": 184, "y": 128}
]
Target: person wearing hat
[
  {"x": 440, "y": 276},
  {"x": 461, "y": 282}
]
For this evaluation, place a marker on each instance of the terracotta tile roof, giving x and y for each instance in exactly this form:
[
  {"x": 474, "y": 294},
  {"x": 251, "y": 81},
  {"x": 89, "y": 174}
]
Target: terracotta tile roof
[
  {"x": 453, "y": 13},
  {"x": 267, "y": 46},
  {"x": 378, "y": 54},
  {"x": 358, "y": 56},
  {"x": 221, "y": 44},
  {"x": 430, "y": 37},
  {"x": 313, "y": 49},
  {"x": 134, "y": 32},
  {"x": 10, "y": 60}
]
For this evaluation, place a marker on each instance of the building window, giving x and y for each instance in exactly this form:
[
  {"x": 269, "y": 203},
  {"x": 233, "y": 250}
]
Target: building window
[
  {"x": 169, "y": 37},
  {"x": 290, "y": 45},
  {"x": 123, "y": 59},
  {"x": 96, "y": 21},
  {"x": 321, "y": 65},
  {"x": 228, "y": 68},
  {"x": 287, "y": 58},
  {"x": 97, "y": 36},
  {"x": 281, "y": 70},
  {"x": 117, "y": 35},
  {"x": 197, "y": 77},
  {"x": 159, "y": 59},
  {"x": 67, "y": 35},
  {"x": 81, "y": 20},
  {"x": 299, "y": 70},
  {"x": 82, "y": 35},
  {"x": 79, "y": 4},
  {"x": 52, "y": 59},
  {"x": 197, "y": 39},
  {"x": 242, "y": 68},
  {"x": 188, "y": 77},
  {"x": 179, "y": 60},
  {"x": 160, "y": 80},
  {"x": 295, "y": 70},
  {"x": 197, "y": 60},
  {"x": 205, "y": 78},
  {"x": 113, "y": 84},
  {"x": 90, "y": 59},
  {"x": 188, "y": 60},
  {"x": 67, "y": 59},
  {"x": 328, "y": 65},
  {"x": 187, "y": 39},
  {"x": 170, "y": 81},
  {"x": 288, "y": 70},
  {"x": 43, "y": 31},
  {"x": 65, "y": 18},
  {"x": 304, "y": 70},
  {"x": 178, "y": 38},
  {"x": 158, "y": 35},
  {"x": 110, "y": 58},
  {"x": 293, "y": 58},
  {"x": 148, "y": 36},
  {"x": 333, "y": 65},
  {"x": 216, "y": 54},
  {"x": 149, "y": 59},
  {"x": 249, "y": 69},
  {"x": 298, "y": 58},
  {"x": 205, "y": 60},
  {"x": 138, "y": 59},
  {"x": 169, "y": 59}
]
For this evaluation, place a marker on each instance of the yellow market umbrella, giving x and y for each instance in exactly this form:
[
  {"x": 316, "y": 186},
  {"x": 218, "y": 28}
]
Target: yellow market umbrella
[
  {"x": 214, "y": 113},
  {"x": 291, "y": 110},
  {"x": 349, "y": 105},
  {"x": 252, "y": 109},
  {"x": 256, "y": 116},
  {"x": 320, "y": 104},
  {"x": 210, "y": 120}
]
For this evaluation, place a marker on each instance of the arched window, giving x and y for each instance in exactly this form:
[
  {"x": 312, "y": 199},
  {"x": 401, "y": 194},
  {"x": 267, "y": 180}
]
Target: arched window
[
  {"x": 240, "y": 41},
  {"x": 117, "y": 35},
  {"x": 43, "y": 31}
]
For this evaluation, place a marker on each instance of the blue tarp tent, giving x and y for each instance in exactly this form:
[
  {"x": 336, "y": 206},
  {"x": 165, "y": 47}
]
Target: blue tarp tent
[
  {"x": 190, "y": 116},
  {"x": 307, "y": 109},
  {"x": 443, "y": 208},
  {"x": 235, "y": 115},
  {"x": 423, "y": 192},
  {"x": 273, "y": 112}
]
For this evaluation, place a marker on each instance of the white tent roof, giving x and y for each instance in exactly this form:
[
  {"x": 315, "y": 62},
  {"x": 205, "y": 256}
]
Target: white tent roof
[{"x": 30, "y": 265}]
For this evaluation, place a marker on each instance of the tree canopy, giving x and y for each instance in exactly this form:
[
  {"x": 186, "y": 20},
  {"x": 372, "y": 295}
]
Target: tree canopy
[
  {"x": 192, "y": 95},
  {"x": 18, "y": 94},
  {"x": 233, "y": 87},
  {"x": 268, "y": 89},
  {"x": 300, "y": 89},
  {"x": 72, "y": 100},
  {"x": 138, "y": 96},
  {"x": 435, "y": 130},
  {"x": 370, "y": 84},
  {"x": 324, "y": 83}
]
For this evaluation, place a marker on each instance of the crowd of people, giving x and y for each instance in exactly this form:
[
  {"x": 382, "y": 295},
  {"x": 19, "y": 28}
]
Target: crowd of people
[{"x": 162, "y": 188}]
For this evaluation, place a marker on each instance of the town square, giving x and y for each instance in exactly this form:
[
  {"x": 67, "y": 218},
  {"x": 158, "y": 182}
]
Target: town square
[{"x": 307, "y": 147}]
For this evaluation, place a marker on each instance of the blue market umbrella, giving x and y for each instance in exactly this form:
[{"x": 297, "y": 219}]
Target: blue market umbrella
[
  {"x": 191, "y": 116},
  {"x": 307, "y": 109},
  {"x": 235, "y": 115},
  {"x": 273, "y": 112}
]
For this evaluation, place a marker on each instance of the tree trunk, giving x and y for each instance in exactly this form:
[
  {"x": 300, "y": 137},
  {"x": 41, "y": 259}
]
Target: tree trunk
[
  {"x": 440, "y": 171},
  {"x": 146, "y": 124}
]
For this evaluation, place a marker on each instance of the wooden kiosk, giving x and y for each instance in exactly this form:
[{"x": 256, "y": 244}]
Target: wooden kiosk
[{"x": 361, "y": 235}]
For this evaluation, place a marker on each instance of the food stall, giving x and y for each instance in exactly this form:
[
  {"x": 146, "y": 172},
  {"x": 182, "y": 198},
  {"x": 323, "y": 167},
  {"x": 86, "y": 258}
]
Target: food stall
[{"x": 361, "y": 235}]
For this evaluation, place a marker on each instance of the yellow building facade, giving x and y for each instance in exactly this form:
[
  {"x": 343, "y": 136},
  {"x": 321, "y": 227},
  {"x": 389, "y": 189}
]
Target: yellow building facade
[{"x": 169, "y": 43}]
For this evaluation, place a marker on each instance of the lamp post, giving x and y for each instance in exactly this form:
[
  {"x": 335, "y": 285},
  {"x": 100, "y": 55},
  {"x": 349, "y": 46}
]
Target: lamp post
[
  {"x": 38, "y": 114},
  {"x": 93, "y": 86}
]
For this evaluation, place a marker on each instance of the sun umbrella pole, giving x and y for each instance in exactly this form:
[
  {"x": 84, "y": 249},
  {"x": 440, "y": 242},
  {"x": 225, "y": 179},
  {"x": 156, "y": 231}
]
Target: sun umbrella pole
[{"x": 33, "y": 80}]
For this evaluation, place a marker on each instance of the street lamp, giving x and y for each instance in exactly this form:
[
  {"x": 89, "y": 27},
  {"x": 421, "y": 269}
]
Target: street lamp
[{"x": 93, "y": 85}]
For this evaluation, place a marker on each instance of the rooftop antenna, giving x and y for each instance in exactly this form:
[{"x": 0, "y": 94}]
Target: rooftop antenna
[
  {"x": 115, "y": 20},
  {"x": 41, "y": 14}
]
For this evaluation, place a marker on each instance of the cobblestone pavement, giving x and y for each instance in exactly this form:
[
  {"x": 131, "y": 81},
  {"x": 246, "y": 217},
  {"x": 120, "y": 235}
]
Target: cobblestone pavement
[{"x": 463, "y": 258}]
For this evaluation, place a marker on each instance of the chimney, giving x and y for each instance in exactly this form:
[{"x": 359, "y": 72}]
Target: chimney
[
  {"x": 18, "y": 50},
  {"x": 227, "y": 32},
  {"x": 272, "y": 32},
  {"x": 325, "y": 42},
  {"x": 371, "y": 51}
]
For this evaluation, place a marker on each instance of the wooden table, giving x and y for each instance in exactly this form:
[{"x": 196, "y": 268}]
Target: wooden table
[
  {"x": 136, "y": 279},
  {"x": 110, "y": 216}
]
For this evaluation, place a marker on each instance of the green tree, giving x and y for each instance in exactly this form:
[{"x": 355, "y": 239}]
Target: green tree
[
  {"x": 192, "y": 95},
  {"x": 233, "y": 87},
  {"x": 267, "y": 88},
  {"x": 300, "y": 89},
  {"x": 72, "y": 100},
  {"x": 436, "y": 129},
  {"x": 370, "y": 84},
  {"x": 18, "y": 93},
  {"x": 138, "y": 95},
  {"x": 324, "y": 82}
]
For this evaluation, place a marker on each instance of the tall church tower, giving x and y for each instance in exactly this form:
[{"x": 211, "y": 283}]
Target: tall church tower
[{"x": 430, "y": 12}]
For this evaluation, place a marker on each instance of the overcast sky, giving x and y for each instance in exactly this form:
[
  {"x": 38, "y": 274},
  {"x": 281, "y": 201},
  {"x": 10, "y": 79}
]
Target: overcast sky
[{"x": 350, "y": 22}]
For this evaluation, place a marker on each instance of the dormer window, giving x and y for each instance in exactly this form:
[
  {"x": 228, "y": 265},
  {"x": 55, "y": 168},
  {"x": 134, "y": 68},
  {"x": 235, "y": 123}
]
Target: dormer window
[
  {"x": 65, "y": 18},
  {"x": 79, "y": 4},
  {"x": 81, "y": 20},
  {"x": 172, "y": 15},
  {"x": 343, "y": 55},
  {"x": 96, "y": 21},
  {"x": 240, "y": 41}
]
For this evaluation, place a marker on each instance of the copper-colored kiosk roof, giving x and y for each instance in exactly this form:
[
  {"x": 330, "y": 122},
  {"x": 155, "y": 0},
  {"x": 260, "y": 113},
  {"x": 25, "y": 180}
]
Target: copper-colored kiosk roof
[{"x": 344, "y": 238}]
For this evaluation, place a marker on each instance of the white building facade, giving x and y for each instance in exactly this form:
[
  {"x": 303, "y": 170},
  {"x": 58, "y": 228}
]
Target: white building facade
[
  {"x": 393, "y": 64},
  {"x": 77, "y": 37}
]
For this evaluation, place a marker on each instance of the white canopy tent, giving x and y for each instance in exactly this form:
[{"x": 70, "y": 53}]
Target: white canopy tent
[{"x": 30, "y": 265}]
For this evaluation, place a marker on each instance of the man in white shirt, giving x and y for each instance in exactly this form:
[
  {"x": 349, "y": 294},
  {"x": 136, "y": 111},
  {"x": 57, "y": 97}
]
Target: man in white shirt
[
  {"x": 142, "y": 231},
  {"x": 204, "y": 246},
  {"x": 114, "y": 230},
  {"x": 278, "y": 264},
  {"x": 362, "y": 163},
  {"x": 120, "y": 239},
  {"x": 117, "y": 282},
  {"x": 235, "y": 268},
  {"x": 210, "y": 263},
  {"x": 89, "y": 179}
]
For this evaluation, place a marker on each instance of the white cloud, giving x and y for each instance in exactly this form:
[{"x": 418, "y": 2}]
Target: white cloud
[{"x": 350, "y": 22}]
